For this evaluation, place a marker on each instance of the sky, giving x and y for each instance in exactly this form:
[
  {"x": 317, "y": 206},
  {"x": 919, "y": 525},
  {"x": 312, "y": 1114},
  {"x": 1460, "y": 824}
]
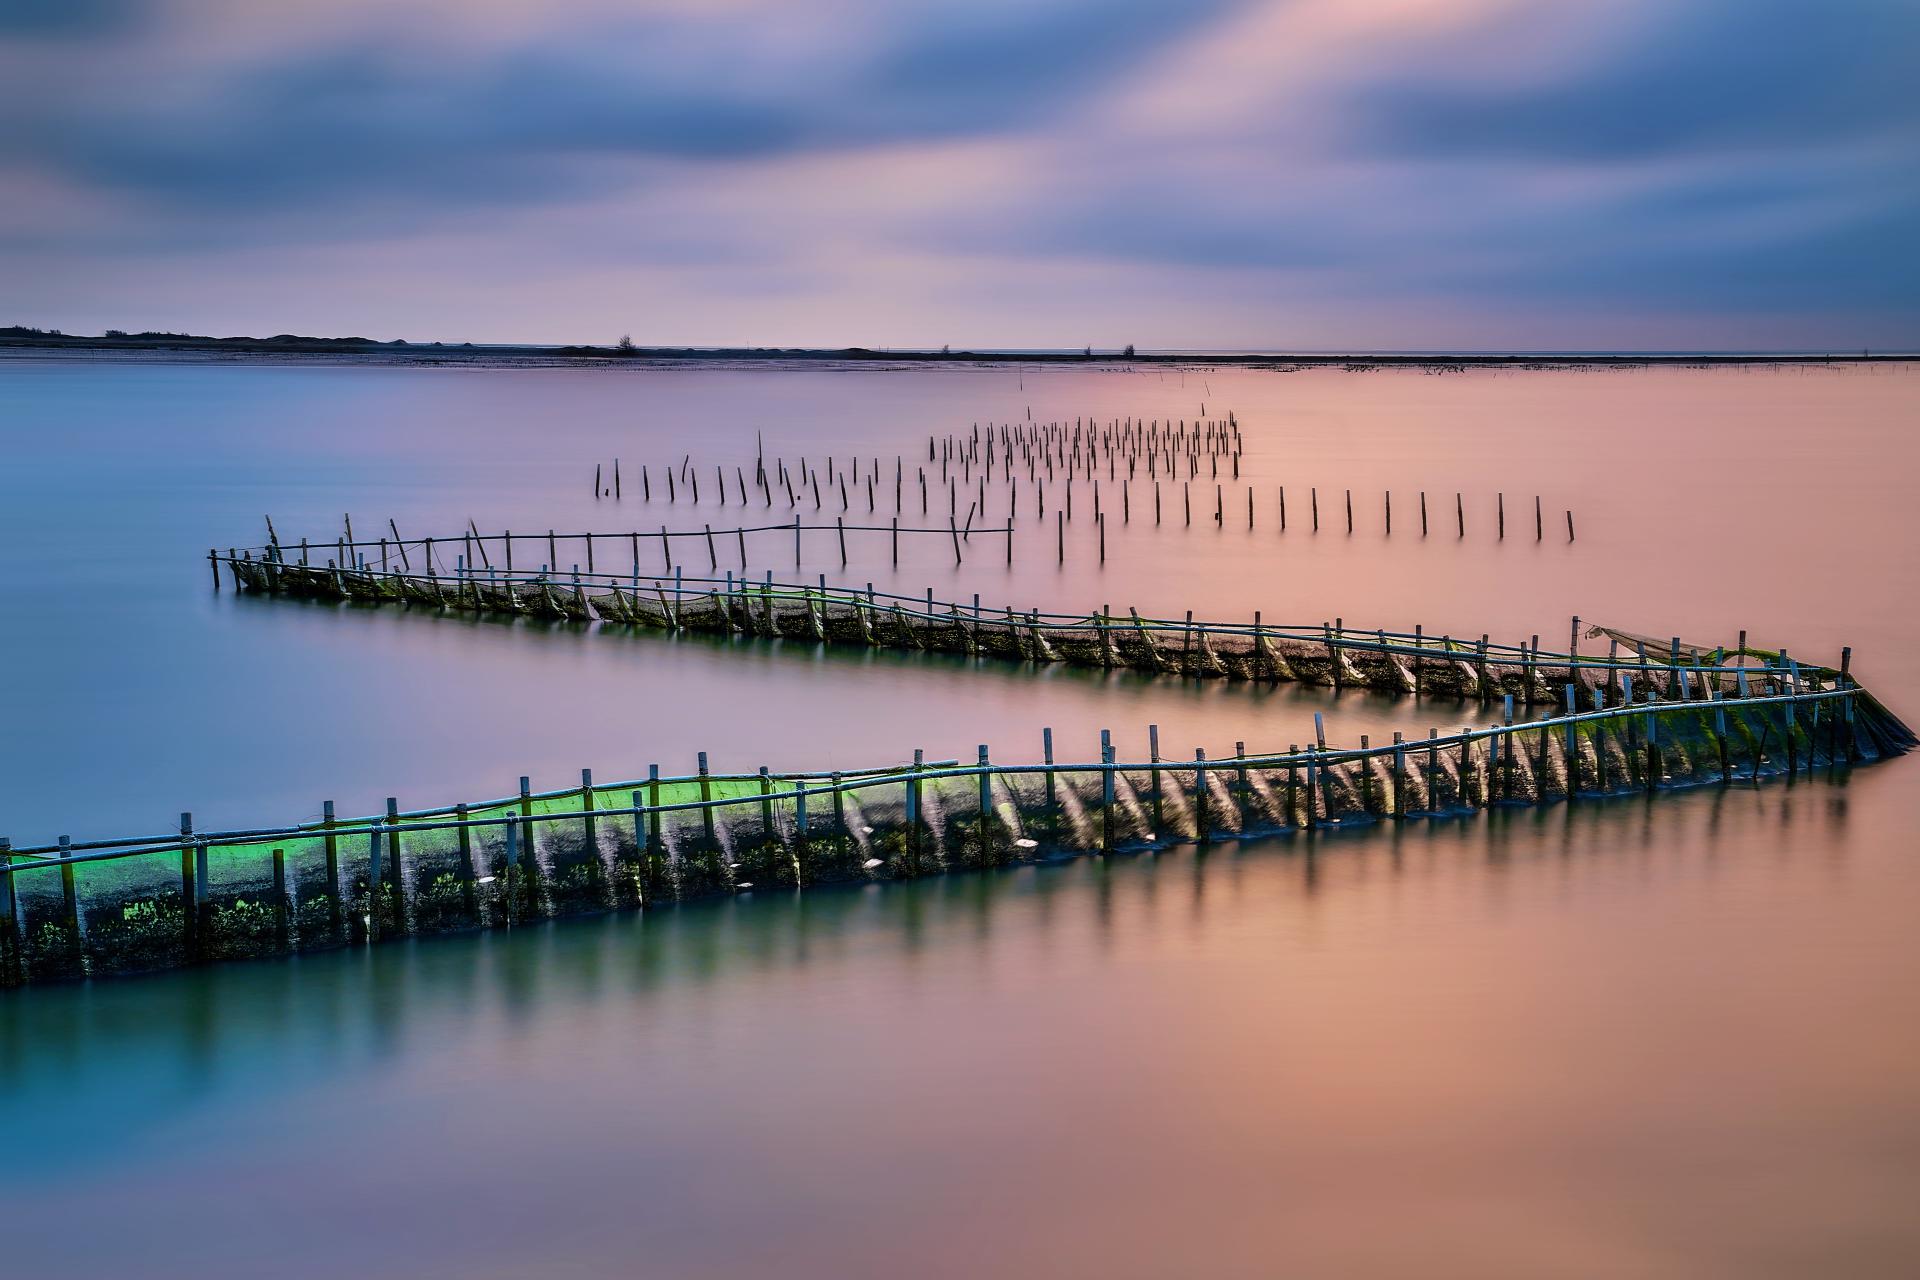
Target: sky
[{"x": 1262, "y": 174}]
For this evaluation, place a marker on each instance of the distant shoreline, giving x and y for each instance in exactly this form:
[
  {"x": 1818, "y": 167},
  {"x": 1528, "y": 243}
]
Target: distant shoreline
[{"x": 182, "y": 348}]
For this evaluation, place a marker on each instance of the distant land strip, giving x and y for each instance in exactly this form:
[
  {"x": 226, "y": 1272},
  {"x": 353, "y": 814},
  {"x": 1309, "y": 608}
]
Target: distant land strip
[{"x": 24, "y": 341}]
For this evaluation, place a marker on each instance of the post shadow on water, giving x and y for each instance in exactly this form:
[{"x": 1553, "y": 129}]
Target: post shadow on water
[{"x": 93, "y": 1072}]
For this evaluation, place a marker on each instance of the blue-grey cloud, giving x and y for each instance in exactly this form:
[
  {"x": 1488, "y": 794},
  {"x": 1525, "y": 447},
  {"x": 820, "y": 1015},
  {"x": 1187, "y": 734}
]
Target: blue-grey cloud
[
  {"x": 372, "y": 122},
  {"x": 68, "y": 19},
  {"x": 1688, "y": 157},
  {"x": 1718, "y": 74}
]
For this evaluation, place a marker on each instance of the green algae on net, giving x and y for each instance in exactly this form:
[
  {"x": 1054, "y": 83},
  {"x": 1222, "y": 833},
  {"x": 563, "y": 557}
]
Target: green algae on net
[{"x": 107, "y": 907}]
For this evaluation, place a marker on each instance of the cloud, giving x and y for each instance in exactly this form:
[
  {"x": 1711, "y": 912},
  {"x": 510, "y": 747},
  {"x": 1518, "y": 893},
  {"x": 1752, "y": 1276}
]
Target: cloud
[
  {"x": 751, "y": 158},
  {"x": 369, "y": 122},
  {"x": 1718, "y": 75},
  {"x": 64, "y": 19}
]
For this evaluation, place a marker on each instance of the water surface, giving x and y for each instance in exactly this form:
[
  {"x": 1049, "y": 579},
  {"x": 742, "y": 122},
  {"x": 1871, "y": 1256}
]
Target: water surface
[{"x": 1667, "y": 1038}]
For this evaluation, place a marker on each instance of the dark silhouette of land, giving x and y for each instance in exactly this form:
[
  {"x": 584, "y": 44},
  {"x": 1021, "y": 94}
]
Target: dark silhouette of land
[{"x": 114, "y": 343}]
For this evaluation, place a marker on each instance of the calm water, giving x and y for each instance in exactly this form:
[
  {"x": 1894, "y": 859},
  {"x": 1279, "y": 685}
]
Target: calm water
[{"x": 1667, "y": 1039}]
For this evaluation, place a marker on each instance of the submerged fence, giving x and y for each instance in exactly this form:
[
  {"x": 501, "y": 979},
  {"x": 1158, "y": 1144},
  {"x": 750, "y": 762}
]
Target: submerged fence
[
  {"x": 1327, "y": 653},
  {"x": 1642, "y": 717},
  {"x": 95, "y": 908}
]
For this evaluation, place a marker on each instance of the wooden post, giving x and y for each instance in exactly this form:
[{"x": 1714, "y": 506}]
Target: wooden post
[
  {"x": 1202, "y": 818},
  {"x": 588, "y": 828},
  {"x": 1506, "y": 750},
  {"x": 529, "y": 859},
  {"x": 1720, "y": 734},
  {"x": 1572, "y": 747},
  {"x": 12, "y": 932},
  {"x": 190, "y": 887},
  {"x": 375, "y": 877},
  {"x": 643, "y": 884},
  {"x": 530, "y": 864},
  {"x": 913, "y": 812},
  {"x": 1466, "y": 764},
  {"x": 70, "y": 905},
  {"x": 1313, "y": 786},
  {"x": 1542, "y": 767},
  {"x": 1365, "y": 762},
  {"x": 393, "y": 859},
  {"x": 1153, "y": 772},
  {"x": 769, "y": 833},
  {"x": 1846, "y": 681},
  {"x": 1240, "y": 781},
  {"x": 1653, "y": 748},
  {"x": 510, "y": 907},
  {"x": 330, "y": 844},
  {"x": 986, "y": 806},
  {"x": 280, "y": 920},
  {"x": 1433, "y": 768},
  {"x": 706, "y": 801},
  {"x": 1107, "y": 791},
  {"x": 1423, "y": 513},
  {"x": 1460, "y": 513},
  {"x": 1600, "y": 739},
  {"x": 1046, "y": 754},
  {"x": 468, "y": 872},
  {"x": 1399, "y": 775}
]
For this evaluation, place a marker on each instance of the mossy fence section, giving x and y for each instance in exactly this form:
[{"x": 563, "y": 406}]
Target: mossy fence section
[{"x": 107, "y": 907}]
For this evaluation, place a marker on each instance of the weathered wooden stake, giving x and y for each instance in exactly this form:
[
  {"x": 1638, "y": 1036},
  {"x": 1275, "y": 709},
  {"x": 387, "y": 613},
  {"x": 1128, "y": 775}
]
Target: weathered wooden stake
[{"x": 1046, "y": 756}]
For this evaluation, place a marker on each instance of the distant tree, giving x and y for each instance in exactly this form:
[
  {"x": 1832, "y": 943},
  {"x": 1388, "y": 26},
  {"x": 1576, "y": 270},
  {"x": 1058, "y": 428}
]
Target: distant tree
[
  {"x": 1128, "y": 353},
  {"x": 625, "y": 343},
  {"x": 1088, "y": 353},
  {"x": 116, "y": 333},
  {"x": 945, "y": 350}
]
